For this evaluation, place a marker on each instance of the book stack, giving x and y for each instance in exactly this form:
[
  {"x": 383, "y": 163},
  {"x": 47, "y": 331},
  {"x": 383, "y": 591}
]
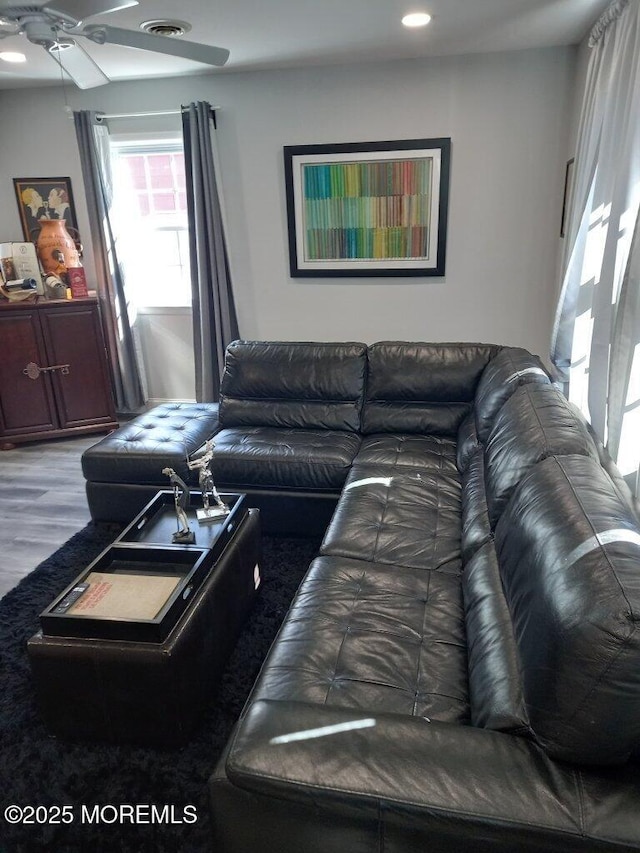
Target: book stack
[{"x": 21, "y": 284}]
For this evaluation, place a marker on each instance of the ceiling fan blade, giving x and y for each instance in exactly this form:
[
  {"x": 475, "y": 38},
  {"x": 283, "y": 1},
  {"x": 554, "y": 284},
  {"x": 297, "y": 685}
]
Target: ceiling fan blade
[
  {"x": 208, "y": 54},
  {"x": 77, "y": 63},
  {"x": 79, "y": 10}
]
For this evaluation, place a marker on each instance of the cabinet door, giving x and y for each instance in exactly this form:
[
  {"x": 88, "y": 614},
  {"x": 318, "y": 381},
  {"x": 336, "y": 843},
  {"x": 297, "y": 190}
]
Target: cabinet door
[
  {"x": 26, "y": 405},
  {"x": 73, "y": 337}
]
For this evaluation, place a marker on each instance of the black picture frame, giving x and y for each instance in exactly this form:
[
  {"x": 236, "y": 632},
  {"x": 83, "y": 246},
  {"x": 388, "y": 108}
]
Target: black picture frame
[
  {"x": 567, "y": 196},
  {"x": 31, "y": 191},
  {"x": 368, "y": 209}
]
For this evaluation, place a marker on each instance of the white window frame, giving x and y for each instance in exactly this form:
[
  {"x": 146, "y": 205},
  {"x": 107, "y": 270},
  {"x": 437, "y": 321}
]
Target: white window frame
[{"x": 149, "y": 284}]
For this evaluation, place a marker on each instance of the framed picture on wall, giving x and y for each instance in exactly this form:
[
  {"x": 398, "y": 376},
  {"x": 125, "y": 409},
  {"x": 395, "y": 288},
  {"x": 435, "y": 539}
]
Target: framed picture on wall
[
  {"x": 44, "y": 198},
  {"x": 368, "y": 208},
  {"x": 568, "y": 196}
]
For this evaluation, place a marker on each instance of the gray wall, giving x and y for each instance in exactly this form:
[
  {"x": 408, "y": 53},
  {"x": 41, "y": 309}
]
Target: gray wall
[
  {"x": 508, "y": 115},
  {"x": 165, "y": 347}
]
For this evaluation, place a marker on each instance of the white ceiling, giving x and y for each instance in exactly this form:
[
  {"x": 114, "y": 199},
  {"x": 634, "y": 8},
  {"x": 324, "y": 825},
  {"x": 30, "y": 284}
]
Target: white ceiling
[{"x": 290, "y": 33}]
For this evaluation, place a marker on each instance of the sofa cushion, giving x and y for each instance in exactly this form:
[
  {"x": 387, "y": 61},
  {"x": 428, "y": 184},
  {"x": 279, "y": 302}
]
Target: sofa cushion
[
  {"x": 495, "y": 686},
  {"x": 509, "y": 369},
  {"x": 569, "y": 554},
  {"x": 267, "y": 457},
  {"x": 360, "y": 636},
  {"x": 297, "y": 385},
  {"x": 535, "y": 422},
  {"x": 400, "y": 517},
  {"x": 421, "y": 388},
  {"x": 431, "y": 452}
]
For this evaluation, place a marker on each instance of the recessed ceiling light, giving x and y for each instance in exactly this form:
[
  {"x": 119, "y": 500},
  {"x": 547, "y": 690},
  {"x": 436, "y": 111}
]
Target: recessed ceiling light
[
  {"x": 12, "y": 56},
  {"x": 416, "y": 19}
]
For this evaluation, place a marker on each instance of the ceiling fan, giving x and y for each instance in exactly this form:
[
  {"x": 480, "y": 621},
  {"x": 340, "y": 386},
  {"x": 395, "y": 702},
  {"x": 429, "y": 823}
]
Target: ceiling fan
[{"x": 56, "y": 25}]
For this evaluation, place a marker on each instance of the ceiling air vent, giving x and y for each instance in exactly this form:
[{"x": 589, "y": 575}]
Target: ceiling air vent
[{"x": 165, "y": 28}]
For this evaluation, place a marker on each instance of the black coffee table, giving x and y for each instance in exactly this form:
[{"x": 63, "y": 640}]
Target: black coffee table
[{"x": 147, "y": 681}]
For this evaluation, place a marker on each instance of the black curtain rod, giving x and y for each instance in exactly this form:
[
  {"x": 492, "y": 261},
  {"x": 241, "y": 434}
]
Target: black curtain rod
[{"x": 102, "y": 116}]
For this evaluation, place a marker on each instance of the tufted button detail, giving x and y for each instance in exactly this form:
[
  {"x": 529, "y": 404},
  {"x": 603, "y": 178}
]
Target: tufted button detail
[{"x": 398, "y": 644}]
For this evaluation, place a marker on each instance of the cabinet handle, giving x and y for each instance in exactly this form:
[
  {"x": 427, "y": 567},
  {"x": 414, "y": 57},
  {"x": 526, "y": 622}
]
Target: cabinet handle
[{"x": 33, "y": 370}]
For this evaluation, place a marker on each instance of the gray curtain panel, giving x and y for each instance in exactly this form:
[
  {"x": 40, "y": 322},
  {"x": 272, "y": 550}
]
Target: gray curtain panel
[
  {"x": 214, "y": 316},
  {"x": 93, "y": 143}
]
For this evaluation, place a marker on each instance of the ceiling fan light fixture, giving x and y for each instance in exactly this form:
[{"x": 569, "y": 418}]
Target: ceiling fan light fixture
[
  {"x": 49, "y": 27},
  {"x": 416, "y": 19},
  {"x": 163, "y": 27},
  {"x": 12, "y": 56},
  {"x": 61, "y": 44}
]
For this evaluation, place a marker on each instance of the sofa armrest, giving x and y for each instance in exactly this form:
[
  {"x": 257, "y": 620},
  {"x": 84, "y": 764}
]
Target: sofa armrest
[{"x": 459, "y": 780}]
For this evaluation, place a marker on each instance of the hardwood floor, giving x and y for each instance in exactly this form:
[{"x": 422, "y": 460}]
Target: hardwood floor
[{"x": 42, "y": 503}]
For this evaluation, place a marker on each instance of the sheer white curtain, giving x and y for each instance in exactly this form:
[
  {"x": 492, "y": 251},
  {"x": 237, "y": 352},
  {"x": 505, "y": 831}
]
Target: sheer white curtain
[
  {"x": 596, "y": 341},
  {"x": 95, "y": 158}
]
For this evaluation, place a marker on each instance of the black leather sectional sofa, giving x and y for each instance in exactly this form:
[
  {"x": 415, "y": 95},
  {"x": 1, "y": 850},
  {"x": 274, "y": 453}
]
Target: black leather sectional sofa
[{"x": 460, "y": 668}]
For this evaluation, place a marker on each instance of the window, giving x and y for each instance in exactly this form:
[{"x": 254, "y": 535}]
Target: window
[{"x": 151, "y": 200}]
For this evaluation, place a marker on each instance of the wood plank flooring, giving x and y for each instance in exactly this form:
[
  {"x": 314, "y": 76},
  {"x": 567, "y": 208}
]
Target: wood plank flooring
[{"x": 42, "y": 503}]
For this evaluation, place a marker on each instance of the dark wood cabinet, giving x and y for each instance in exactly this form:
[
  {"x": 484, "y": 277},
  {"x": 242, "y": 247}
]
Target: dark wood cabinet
[{"x": 54, "y": 376}]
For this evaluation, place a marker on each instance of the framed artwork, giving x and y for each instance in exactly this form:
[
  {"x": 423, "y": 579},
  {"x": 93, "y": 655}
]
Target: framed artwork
[
  {"x": 44, "y": 198},
  {"x": 368, "y": 208}
]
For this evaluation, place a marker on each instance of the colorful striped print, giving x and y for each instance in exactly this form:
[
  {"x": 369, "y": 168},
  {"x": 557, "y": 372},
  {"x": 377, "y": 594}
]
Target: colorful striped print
[
  {"x": 368, "y": 243},
  {"x": 370, "y": 178},
  {"x": 372, "y": 210}
]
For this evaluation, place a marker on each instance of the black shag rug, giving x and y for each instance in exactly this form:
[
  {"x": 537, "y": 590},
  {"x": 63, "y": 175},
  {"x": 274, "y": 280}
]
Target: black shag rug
[{"x": 38, "y": 770}]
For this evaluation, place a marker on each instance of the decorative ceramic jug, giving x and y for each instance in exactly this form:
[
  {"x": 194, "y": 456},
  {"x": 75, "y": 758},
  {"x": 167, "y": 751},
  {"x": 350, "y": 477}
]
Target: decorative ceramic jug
[{"x": 56, "y": 249}]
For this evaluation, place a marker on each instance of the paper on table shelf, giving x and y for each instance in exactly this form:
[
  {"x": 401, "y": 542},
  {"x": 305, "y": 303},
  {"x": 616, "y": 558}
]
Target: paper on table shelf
[{"x": 124, "y": 596}]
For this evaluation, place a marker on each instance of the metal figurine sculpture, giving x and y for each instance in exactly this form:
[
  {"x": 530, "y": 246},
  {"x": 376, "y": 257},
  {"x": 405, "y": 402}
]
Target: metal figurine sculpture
[
  {"x": 184, "y": 535},
  {"x": 207, "y": 487}
]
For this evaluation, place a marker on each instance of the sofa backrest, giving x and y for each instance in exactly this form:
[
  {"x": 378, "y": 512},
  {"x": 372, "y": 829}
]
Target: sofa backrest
[
  {"x": 568, "y": 548},
  {"x": 421, "y": 387},
  {"x": 511, "y": 367},
  {"x": 551, "y": 580},
  {"x": 535, "y": 422},
  {"x": 293, "y": 384}
]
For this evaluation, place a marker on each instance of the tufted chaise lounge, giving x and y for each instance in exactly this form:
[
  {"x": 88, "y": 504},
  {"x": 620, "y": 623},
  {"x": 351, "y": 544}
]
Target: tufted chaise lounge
[{"x": 124, "y": 470}]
